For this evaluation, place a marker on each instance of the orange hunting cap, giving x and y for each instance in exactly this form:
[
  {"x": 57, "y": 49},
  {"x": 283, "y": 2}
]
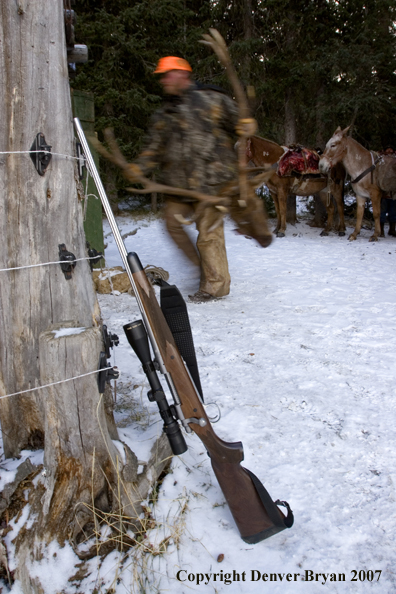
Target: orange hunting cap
[{"x": 172, "y": 63}]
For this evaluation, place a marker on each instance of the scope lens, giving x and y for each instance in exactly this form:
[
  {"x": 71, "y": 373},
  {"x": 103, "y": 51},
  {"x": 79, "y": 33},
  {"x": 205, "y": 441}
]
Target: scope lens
[{"x": 176, "y": 439}]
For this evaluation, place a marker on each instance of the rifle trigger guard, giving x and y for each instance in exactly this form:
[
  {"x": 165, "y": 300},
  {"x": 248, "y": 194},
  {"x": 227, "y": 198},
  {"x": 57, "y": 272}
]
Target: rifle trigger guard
[
  {"x": 201, "y": 422},
  {"x": 216, "y": 418}
]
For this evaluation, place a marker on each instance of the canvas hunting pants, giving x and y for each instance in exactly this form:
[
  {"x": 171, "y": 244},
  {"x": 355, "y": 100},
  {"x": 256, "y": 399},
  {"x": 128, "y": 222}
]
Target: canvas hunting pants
[{"x": 211, "y": 255}]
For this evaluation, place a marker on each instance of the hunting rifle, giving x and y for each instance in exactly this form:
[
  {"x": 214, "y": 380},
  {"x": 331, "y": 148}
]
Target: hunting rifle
[{"x": 256, "y": 515}]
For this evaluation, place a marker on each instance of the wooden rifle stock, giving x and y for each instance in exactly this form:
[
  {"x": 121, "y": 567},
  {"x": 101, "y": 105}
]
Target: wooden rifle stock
[{"x": 256, "y": 515}]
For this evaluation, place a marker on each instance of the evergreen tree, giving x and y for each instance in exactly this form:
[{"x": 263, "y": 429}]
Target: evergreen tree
[
  {"x": 364, "y": 70},
  {"x": 314, "y": 64}
]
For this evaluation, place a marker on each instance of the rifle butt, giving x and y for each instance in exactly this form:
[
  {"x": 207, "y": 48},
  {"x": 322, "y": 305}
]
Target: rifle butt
[{"x": 255, "y": 514}]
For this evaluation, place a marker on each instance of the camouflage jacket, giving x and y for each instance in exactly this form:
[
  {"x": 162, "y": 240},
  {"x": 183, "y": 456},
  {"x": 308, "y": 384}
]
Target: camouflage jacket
[{"x": 191, "y": 141}]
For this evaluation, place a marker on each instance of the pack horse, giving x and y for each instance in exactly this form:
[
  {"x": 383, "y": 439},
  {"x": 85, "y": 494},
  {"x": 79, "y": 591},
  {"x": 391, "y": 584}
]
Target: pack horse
[{"x": 262, "y": 152}]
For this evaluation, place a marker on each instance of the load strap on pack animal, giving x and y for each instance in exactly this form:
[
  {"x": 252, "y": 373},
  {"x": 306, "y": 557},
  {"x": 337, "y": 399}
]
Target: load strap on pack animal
[
  {"x": 369, "y": 169},
  {"x": 298, "y": 160}
]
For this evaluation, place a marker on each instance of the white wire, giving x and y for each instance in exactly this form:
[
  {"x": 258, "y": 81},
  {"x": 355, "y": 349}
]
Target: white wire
[
  {"x": 45, "y": 152},
  {"x": 86, "y": 201},
  {"x": 48, "y": 263},
  {"x": 55, "y": 383}
]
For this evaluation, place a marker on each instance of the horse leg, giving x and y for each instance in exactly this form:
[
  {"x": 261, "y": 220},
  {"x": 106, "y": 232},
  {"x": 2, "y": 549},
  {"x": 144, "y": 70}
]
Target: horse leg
[
  {"x": 329, "y": 204},
  {"x": 282, "y": 200},
  {"x": 276, "y": 203},
  {"x": 375, "y": 196},
  {"x": 339, "y": 198},
  {"x": 359, "y": 217}
]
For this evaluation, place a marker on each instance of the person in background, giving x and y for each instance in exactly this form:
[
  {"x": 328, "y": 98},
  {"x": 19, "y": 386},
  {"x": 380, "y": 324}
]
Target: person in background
[
  {"x": 388, "y": 213},
  {"x": 191, "y": 142},
  {"x": 388, "y": 207}
]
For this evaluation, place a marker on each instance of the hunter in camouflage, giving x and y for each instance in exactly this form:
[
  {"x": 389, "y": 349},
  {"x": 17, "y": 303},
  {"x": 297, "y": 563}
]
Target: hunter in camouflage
[
  {"x": 191, "y": 144},
  {"x": 191, "y": 141}
]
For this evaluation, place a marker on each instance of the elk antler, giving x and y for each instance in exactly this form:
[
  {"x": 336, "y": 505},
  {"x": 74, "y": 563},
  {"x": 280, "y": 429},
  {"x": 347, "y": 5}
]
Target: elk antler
[
  {"x": 116, "y": 157},
  {"x": 218, "y": 45}
]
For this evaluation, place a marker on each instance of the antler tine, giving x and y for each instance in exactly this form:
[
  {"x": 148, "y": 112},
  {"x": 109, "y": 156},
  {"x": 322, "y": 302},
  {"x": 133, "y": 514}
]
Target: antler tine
[
  {"x": 220, "y": 47},
  {"x": 216, "y": 224},
  {"x": 207, "y": 39},
  {"x": 99, "y": 147},
  {"x": 220, "y": 51},
  {"x": 219, "y": 39},
  {"x": 115, "y": 149},
  {"x": 260, "y": 179},
  {"x": 115, "y": 156},
  {"x": 183, "y": 220}
]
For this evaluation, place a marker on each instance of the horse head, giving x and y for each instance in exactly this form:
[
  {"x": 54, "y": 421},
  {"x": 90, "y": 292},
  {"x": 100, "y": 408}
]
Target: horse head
[{"x": 335, "y": 150}]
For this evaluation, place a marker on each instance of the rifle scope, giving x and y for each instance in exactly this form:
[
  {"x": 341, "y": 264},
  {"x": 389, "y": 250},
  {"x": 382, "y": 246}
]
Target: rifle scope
[{"x": 138, "y": 339}]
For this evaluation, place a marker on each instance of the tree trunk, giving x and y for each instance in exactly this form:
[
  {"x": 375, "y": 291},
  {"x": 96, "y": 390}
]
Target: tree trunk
[
  {"x": 290, "y": 138},
  {"x": 291, "y": 209},
  {"x": 83, "y": 470},
  {"x": 247, "y": 36},
  {"x": 154, "y": 202},
  {"x": 290, "y": 102},
  {"x": 320, "y": 123},
  {"x": 320, "y": 212},
  {"x": 290, "y": 119}
]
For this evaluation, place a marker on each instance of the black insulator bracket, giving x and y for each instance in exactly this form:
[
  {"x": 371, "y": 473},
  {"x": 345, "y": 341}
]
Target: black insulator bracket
[
  {"x": 94, "y": 256},
  {"x": 81, "y": 162},
  {"x": 106, "y": 373},
  {"x": 109, "y": 340},
  {"x": 68, "y": 261},
  {"x": 40, "y": 159}
]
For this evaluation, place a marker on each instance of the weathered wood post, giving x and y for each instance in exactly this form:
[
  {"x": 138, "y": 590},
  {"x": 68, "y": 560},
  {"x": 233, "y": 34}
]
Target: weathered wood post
[
  {"x": 50, "y": 326},
  {"x": 37, "y": 212}
]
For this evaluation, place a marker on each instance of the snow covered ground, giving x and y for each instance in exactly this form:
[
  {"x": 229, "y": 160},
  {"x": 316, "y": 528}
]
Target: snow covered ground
[{"x": 300, "y": 359}]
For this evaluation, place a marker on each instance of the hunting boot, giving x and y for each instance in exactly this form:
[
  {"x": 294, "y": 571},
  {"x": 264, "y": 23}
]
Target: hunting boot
[
  {"x": 392, "y": 230},
  {"x": 382, "y": 234}
]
